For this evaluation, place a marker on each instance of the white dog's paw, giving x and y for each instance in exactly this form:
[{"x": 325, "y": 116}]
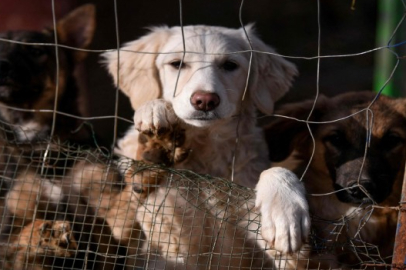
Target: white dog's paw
[
  {"x": 154, "y": 116},
  {"x": 284, "y": 209}
]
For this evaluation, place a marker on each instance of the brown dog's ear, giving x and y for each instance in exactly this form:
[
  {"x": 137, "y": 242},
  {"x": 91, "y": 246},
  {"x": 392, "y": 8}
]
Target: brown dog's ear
[
  {"x": 137, "y": 75},
  {"x": 399, "y": 105},
  {"x": 284, "y": 135},
  {"x": 76, "y": 29},
  {"x": 271, "y": 76}
]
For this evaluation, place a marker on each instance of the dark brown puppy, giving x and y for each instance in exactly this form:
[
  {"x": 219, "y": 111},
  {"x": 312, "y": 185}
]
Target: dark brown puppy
[
  {"x": 35, "y": 77},
  {"x": 344, "y": 188},
  {"x": 29, "y": 81}
]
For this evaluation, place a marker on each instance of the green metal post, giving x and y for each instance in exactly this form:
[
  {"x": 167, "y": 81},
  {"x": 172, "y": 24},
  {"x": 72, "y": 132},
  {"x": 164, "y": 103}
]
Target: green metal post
[{"x": 384, "y": 59}]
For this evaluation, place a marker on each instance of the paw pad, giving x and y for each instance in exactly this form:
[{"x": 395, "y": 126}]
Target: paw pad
[{"x": 162, "y": 146}]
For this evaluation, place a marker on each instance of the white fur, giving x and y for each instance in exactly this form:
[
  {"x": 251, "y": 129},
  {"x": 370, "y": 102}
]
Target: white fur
[
  {"x": 161, "y": 99},
  {"x": 282, "y": 223},
  {"x": 52, "y": 191},
  {"x": 29, "y": 130}
]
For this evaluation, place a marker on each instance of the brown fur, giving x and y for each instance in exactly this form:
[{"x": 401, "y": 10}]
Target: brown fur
[
  {"x": 345, "y": 218},
  {"x": 163, "y": 146},
  {"x": 34, "y": 188},
  {"x": 31, "y": 197},
  {"x": 34, "y": 198},
  {"x": 38, "y": 244},
  {"x": 29, "y": 81},
  {"x": 29, "y": 78},
  {"x": 159, "y": 146}
]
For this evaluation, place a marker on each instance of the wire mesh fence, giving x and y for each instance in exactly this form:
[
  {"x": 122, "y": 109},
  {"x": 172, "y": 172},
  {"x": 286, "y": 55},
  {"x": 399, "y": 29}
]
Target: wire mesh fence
[
  {"x": 67, "y": 203},
  {"x": 87, "y": 217}
]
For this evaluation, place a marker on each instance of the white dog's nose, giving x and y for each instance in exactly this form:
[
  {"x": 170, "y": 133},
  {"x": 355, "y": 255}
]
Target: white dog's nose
[{"x": 204, "y": 101}]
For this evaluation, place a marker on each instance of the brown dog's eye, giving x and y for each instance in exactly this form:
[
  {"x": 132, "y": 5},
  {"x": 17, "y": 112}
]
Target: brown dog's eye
[
  {"x": 391, "y": 141},
  {"x": 178, "y": 64},
  {"x": 36, "y": 51},
  {"x": 229, "y": 66},
  {"x": 335, "y": 139}
]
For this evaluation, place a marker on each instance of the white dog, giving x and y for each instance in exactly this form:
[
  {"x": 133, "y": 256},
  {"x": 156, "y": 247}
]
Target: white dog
[{"x": 209, "y": 83}]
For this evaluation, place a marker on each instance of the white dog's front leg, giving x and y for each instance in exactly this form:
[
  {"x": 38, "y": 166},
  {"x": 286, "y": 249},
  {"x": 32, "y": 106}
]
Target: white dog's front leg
[{"x": 285, "y": 213}]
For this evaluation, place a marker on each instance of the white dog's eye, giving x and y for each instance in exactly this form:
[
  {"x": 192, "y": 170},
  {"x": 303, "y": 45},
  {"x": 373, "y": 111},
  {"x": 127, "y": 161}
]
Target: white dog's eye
[
  {"x": 229, "y": 66},
  {"x": 178, "y": 64}
]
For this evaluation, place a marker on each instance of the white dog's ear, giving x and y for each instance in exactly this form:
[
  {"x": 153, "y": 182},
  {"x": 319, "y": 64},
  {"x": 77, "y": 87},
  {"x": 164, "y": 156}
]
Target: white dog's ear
[
  {"x": 271, "y": 76},
  {"x": 137, "y": 74}
]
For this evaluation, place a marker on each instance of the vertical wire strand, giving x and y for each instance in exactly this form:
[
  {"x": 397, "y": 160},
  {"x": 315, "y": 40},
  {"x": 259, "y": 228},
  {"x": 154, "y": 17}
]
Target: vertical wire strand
[
  {"x": 114, "y": 136},
  {"x": 57, "y": 70},
  {"x": 55, "y": 108},
  {"x": 237, "y": 132},
  {"x": 317, "y": 91},
  {"x": 243, "y": 96},
  {"x": 184, "y": 47},
  {"x": 118, "y": 76},
  {"x": 114, "y": 129},
  {"x": 368, "y": 124}
]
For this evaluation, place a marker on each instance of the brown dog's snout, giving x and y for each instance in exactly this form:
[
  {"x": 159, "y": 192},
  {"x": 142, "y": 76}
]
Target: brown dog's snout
[
  {"x": 354, "y": 191},
  {"x": 204, "y": 101},
  {"x": 359, "y": 190}
]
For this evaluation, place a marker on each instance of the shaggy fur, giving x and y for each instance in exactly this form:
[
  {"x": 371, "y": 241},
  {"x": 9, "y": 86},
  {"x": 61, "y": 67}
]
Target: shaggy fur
[
  {"x": 202, "y": 93},
  {"x": 352, "y": 185}
]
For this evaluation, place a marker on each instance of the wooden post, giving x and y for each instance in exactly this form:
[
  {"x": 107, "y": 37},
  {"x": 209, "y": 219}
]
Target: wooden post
[{"x": 399, "y": 253}]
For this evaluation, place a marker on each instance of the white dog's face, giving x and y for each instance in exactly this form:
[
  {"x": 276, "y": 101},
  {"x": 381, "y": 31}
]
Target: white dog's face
[{"x": 207, "y": 82}]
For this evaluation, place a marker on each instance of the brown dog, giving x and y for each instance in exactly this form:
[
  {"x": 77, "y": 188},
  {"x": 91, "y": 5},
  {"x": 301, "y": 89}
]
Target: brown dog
[
  {"x": 354, "y": 177},
  {"x": 29, "y": 81},
  {"x": 31, "y": 184}
]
